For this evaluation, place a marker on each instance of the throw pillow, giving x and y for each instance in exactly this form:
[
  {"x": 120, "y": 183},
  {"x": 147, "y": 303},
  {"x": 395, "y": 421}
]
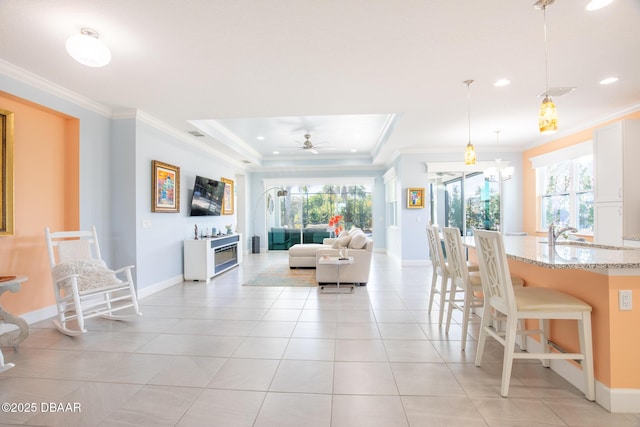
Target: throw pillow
[
  {"x": 341, "y": 242},
  {"x": 343, "y": 233},
  {"x": 354, "y": 231},
  {"x": 358, "y": 241}
]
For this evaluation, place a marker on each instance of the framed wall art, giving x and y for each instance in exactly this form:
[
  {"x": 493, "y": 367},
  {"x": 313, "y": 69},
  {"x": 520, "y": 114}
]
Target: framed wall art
[
  {"x": 415, "y": 198},
  {"x": 6, "y": 177},
  {"x": 166, "y": 187},
  {"x": 227, "y": 200}
]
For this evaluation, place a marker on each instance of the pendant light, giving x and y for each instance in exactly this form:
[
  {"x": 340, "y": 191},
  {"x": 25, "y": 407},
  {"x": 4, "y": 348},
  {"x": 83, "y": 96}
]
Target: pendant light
[
  {"x": 548, "y": 116},
  {"x": 500, "y": 172},
  {"x": 88, "y": 49},
  {"x": 469, "y": 152}
]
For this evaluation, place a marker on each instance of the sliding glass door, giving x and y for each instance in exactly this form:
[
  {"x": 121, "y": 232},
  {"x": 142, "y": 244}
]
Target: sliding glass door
[{"x": 465, "y": 201}]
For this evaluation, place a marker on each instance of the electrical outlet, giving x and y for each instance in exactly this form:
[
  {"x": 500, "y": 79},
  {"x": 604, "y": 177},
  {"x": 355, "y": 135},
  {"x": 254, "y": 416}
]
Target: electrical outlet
[
  {"x": 625, "y": 300},
  {"x": 146, "y": 223}
]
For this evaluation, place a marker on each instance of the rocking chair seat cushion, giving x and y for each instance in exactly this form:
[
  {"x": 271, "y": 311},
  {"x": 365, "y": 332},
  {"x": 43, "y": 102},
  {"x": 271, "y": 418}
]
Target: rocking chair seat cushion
[{"x": 91, "y": 273}]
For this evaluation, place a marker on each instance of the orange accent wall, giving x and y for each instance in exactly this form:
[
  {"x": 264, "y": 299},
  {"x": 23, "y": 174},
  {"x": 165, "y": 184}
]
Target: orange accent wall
[
  {"x": 615, "y": 344},
  {"x": 529, "y": 207},
  {"x": 46, "y": 194}
]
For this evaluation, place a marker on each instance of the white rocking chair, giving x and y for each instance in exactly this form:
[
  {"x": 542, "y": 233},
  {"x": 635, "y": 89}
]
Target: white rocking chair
[{"x": 83, "y": 285}]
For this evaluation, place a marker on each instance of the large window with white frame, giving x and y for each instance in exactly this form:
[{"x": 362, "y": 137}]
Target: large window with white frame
[{"x": 565, "y": 193}]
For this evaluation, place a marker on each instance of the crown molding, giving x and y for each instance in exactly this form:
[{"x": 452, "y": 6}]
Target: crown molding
[{"x": 33, "y": 80}]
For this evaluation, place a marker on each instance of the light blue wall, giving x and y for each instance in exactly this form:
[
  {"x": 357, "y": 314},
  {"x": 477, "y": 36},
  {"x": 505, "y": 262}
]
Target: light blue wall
[
  {"x": 159, "y": 250},
  {"x": 412, "y": 172},
  {"x": 95, "y": 159}
]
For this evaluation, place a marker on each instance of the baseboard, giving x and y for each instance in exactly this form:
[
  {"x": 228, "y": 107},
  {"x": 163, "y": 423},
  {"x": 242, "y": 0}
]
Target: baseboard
[
  {"x": 617, "y": 400},
  {"x": 408, "y": 262},
  {"x": 157, "y": 287},
  {"x": 35, "y": 316},
  {"x": 51, "y": 311}
]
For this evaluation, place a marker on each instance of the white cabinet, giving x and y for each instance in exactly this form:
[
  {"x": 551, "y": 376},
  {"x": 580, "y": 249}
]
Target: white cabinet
[
  {"x": 632, "y": 243},
  {"x": 616, "y": 150},
  {"x": 608, "y": 223},
  {"x": 204, "y": 258}
]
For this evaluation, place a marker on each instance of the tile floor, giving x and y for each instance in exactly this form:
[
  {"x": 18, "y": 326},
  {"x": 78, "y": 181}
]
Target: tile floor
[{"x": 222, "y": 354}]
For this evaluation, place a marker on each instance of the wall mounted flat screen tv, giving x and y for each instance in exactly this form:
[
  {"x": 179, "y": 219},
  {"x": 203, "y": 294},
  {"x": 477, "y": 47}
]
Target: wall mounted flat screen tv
[{"x": 207, "y": 197}]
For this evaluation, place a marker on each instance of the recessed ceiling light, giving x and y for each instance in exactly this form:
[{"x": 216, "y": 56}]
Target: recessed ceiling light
[
  {"x": 597, "y": 4},
  {"x": 353, "y": 150},
  {"x": 608, "y": 80},
  {"x": 502, "y": 82},
  {"x": 276, "y": 152},
  {"x": 260, "y": 137}
]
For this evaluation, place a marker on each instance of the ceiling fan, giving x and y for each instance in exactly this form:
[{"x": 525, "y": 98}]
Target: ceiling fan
[{"x": 308, "y": 145}]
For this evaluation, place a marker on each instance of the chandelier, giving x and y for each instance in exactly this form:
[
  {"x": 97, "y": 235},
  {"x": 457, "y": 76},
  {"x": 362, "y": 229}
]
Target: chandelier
[{"x": 501, "y": 171}]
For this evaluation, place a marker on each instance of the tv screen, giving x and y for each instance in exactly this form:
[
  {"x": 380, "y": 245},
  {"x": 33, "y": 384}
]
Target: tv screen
[{"x": 207, "y": 197}]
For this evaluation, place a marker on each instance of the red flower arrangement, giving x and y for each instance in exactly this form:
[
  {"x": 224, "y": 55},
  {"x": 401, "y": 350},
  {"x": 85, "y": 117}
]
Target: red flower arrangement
[{"x": 334, "y": 222}]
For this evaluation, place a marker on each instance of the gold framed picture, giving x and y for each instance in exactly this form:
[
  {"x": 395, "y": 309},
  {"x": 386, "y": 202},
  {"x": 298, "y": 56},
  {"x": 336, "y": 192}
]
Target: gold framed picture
[
  {"x": 165, "y": 192},
  {"x": 227, "y": 199},
  {"x": 415, "y": 198},
  {"x": 6, "y": 176}
]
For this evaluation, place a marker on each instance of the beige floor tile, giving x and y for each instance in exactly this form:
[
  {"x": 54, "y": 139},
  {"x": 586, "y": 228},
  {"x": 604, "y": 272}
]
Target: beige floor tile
[
  {"x": 366, "y": 331},
  {"x": 360, "y": 350},
  {"x": 310, "y": 349},
  {"x": 245, "y": 374},
  {"x": 401, "y": 331},
  {"x": 370, "y": 411},
  {"x": 223, "y": 408},
  {"x": 438, "y": 411},
  {"x": 193, "y": 345},
  {"x": 303, "y": 376},
  {"x": 426, "y": 379},
  {"x": 411, "y": 351},
  {"x": 261, "y": 348},
  {"x": 270, "y": 328},
  {"x": 295, "y": 410},
  {"x": 373, "y": 378},
  {"x": 153, "y": 406}
]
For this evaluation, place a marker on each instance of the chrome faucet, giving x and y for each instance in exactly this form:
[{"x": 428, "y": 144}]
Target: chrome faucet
[{"x": 552, "y": 234}]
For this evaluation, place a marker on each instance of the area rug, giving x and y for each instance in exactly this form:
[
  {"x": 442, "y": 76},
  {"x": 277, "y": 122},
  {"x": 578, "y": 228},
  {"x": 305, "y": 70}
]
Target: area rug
[{"x": 282, "y": 275}]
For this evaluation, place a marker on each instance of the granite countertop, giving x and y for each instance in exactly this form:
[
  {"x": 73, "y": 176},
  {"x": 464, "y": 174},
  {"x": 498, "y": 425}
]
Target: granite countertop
[
  {"x": 636, "y": 238},
  {"x": 575, "y": 255}
]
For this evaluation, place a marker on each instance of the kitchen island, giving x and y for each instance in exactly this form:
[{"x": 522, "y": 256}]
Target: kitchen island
[{"x": 595, "y": 274}]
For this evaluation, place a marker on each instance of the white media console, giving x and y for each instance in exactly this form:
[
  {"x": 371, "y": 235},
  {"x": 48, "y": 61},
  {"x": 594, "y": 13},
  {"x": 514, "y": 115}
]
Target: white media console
[{"x": 206, "y": 257}]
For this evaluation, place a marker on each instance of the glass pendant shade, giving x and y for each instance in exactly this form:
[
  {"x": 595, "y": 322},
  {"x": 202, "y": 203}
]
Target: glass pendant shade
[
  {"x": 469, "y": 154},
  {"x": 88, "y": 49},
  {"x": 548, "y": 117},
  {"x": 499, "y": 172}
]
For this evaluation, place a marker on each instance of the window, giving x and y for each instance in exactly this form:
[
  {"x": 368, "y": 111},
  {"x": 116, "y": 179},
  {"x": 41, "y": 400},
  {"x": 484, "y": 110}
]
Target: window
[
  {"x": 565, "y": 190},
  {"x": 307, "y": 205}
]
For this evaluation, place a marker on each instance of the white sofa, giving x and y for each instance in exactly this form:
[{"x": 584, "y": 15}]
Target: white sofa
[
  {"x": 306, "y": 255},
  {"x": 357, "y": 273}
]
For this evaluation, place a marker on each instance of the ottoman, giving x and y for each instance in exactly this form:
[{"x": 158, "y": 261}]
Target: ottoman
[{"x": 304, "y": 254}]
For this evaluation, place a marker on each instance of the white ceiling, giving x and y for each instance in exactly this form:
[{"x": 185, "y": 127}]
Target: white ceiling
[{"x": 389, "y": 71}]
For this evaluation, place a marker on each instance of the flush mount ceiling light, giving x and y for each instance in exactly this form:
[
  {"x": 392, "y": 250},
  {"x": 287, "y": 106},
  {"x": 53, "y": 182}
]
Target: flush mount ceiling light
[
  {"x": 608, "y": 80},
  {"x": 502, "y": 82},
  {"x": 597, "y": 4},
  {"x": 469, "y": 152},
  {"x": 88, "y": 49},
  {"x": 501, "y": 171},
  {"x": 548, "y": 116}
]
